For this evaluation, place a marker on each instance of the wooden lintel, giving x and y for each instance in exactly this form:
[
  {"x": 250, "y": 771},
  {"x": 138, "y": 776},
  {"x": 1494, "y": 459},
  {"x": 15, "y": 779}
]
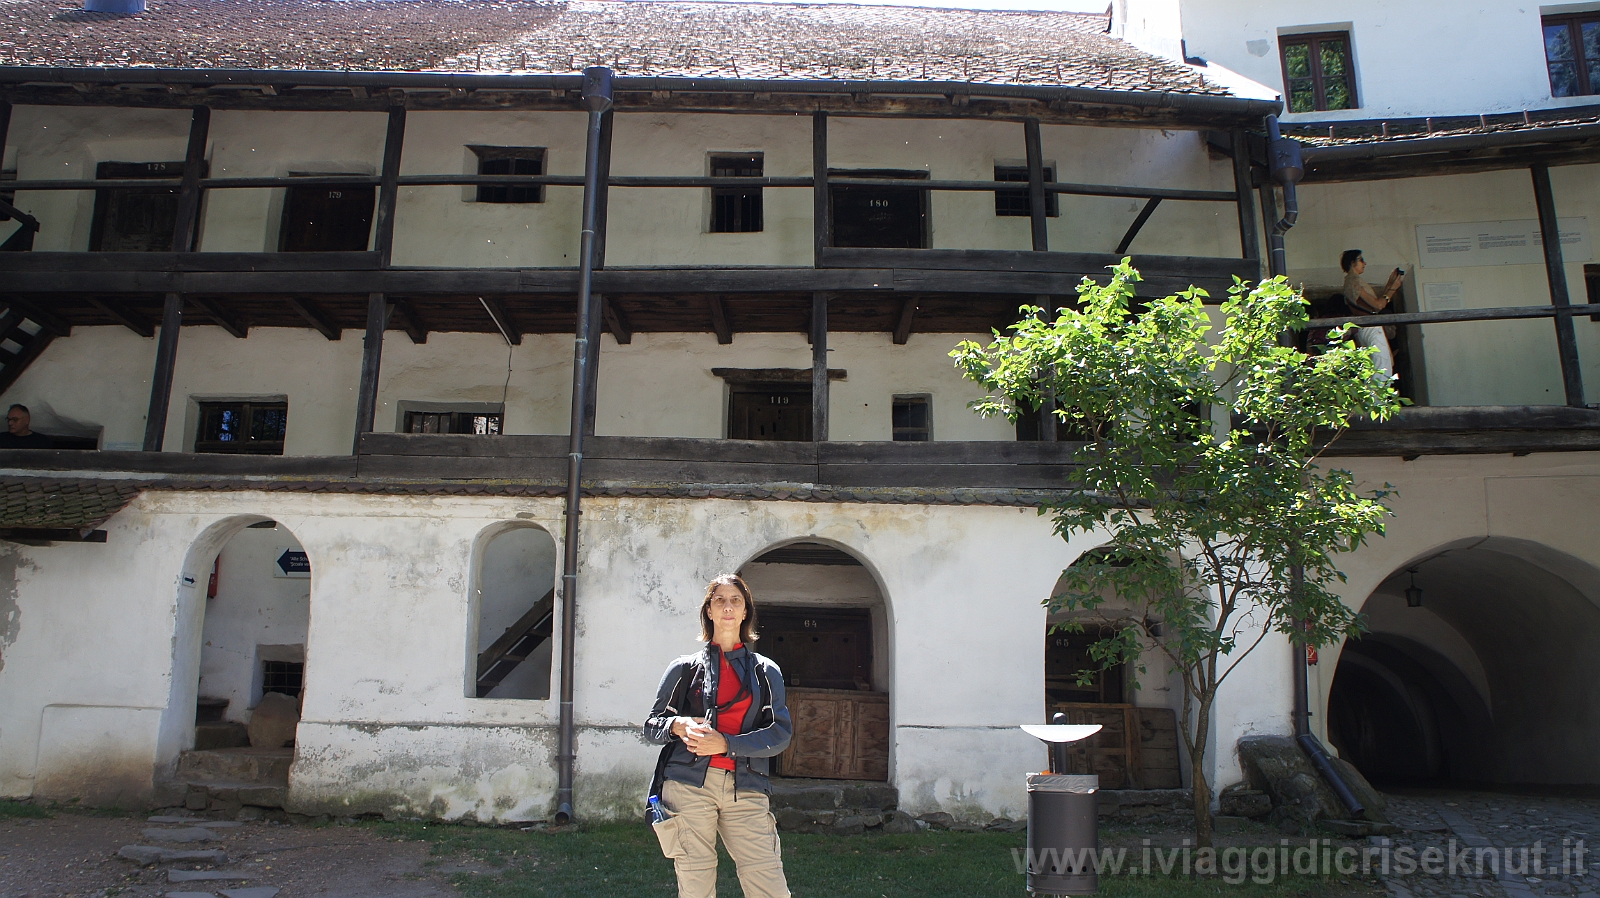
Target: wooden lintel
[
  {"x": 719, "y": 319},
  {"x": 212, "y": 308},
  {"x": 410, "y": 321},
  {"x": 772, "y": 375},
  {"x": 314, "y": 316},
  {"x": 903, "y": 325},
  {"x": 126, "y": 317},
  {"x": 616, "y": 321}
]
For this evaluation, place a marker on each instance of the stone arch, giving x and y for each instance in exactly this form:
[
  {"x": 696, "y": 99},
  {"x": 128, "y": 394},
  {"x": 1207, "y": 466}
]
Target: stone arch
[
  {"x": 1487, "y": 680},
  {"x": 825, "y": 617},
  {"x": 193, "y": 659},
  {"x": 512, "y": 607}
]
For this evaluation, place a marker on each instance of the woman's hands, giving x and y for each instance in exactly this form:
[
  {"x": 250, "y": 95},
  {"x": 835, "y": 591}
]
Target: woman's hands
[{"x": 701, "y": 737}]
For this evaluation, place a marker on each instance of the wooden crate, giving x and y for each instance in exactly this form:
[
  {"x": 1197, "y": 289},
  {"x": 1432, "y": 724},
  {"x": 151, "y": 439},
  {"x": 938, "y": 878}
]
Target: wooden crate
[
  {"x": 838, "y": 734},
  {"x": 1136, "y": 748}
]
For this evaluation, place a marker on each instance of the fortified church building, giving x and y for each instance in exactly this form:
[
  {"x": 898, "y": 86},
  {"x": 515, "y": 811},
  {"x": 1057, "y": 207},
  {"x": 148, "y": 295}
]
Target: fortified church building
[{"x": 294, "y": 289}]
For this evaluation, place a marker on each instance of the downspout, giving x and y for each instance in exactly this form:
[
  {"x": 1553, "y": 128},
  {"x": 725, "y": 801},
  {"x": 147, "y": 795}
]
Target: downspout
[
  {"x": 1283, "y": 157},
  {"x": 597, "y": 99}
]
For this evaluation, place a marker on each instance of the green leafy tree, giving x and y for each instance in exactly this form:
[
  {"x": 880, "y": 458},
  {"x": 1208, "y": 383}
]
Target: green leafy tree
[{"x": 1218, "y": 536}]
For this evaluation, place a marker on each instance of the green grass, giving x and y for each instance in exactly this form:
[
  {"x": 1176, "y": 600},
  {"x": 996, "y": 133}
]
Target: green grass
[
  {"x": 21, "y": 809},
  {"x": 624, "y": 859}
]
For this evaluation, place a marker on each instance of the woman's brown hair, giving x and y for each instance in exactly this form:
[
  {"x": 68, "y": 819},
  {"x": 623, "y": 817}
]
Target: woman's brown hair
[{"x": 747, "y": 627}]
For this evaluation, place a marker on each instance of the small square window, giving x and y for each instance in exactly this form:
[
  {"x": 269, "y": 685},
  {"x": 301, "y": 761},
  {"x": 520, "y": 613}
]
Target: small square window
[
  {"x": 286, "y": 677},
  {"x": 510, "y": 161},
  {"x": 1317, "y": 72},
  {"x": 1572, "y": 54},
  {"x": 913, "y": 419},
  {"x": 479, "y": 423},
  {"x": 1015, "y": 202},
  {"x": 246, "y": 428},
  {"x": 736, "y": 210}
]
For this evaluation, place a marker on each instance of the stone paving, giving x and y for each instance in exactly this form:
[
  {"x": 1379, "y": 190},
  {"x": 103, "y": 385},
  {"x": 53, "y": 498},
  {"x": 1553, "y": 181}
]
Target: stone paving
[{"x": 1565, "y": 829}]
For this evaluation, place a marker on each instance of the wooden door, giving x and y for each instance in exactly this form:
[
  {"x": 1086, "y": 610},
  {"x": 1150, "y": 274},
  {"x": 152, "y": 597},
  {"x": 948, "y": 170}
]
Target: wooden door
[
  {"x": 334, "y": 218},
  {"x": 838, "y": 734},
  {"x": 770, "y": 412},
  {"x": 1136, "y": 748}
]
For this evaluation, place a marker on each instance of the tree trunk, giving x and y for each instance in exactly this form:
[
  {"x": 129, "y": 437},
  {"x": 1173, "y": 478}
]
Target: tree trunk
[{"x": 1197, "y": 775}]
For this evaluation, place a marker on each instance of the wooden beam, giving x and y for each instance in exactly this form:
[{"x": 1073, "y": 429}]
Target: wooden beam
[
  {"x": 502, "y": 320},
  {"x": 155, "y": 422},
  {"x": 819, "y": 367},
  {"x": 821, "y": 198},
  {"x": 774, "y": 375},
  {"x": 314, "y": 316},
  {"x": 213, "y": 308},
  {"x": 1556, "y": 272},
  {"x": 388, "y": 186},
  {"x": 719, "y": 319},
  {"x": 184, "y": 232},
  {"x": 410, "y": 321},
  {"x": 603, "y": 190},
  {"x": 902, "y": 326},
  {"x": 371, "y": 365},
  {"x": 616, "y": 321},
  {"x": 1249, "y": 237},
  {"x": 1037, "y": 209},
  {"x": 1138, "y": 223},
  {"x": 125, "y": 317},
  {"x": 47, "y": 320}
]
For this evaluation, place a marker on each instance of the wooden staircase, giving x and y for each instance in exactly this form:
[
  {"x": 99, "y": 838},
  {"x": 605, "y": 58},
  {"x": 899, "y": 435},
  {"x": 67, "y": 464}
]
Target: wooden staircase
[
  {"x": 516, "y": 644},
  {"x": 20, "y": 344}
]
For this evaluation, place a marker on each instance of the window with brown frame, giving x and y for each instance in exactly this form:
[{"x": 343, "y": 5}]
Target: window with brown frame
[
  {"x": 245, "y": 428},
  {"x": 1317, "y": 73},
  {"x": 510, "y": 161},
  {"x": 1016, "y": 202},
  {"x": 1572, "y": 54},
  {"x": 736, "y": 210}
]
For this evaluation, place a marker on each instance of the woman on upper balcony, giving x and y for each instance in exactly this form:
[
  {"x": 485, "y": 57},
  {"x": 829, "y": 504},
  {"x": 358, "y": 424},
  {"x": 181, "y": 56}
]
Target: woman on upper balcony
[{"x": 1361, "y": 299}]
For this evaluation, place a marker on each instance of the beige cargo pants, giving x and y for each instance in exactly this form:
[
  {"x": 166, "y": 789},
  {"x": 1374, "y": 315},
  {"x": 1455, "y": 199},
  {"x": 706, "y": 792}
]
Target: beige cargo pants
[{"x": 747, "y": 827}]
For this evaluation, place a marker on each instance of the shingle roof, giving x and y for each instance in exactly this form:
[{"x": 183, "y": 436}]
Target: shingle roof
[
  {"x": 1398, "y": 131},
  {"x": 634, "y": 37},
  {"x": 62, "y": 504}
]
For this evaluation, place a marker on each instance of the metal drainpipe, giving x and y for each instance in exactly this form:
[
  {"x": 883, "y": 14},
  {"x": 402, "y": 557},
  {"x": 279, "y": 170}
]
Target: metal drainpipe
[
  {"x": 1283, "y": 156},
  {"x": 597, "y": 99}
]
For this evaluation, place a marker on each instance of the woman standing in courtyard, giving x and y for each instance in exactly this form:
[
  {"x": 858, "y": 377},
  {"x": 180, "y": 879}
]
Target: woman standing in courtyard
[{"x": 721, "y": 716}]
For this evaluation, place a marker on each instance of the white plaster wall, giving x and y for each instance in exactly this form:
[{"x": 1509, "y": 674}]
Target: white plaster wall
[
  {"x": 1410, "y": 58},
  {"x": 1468, "y": 363},
  {"x": 253, "y": 608}
]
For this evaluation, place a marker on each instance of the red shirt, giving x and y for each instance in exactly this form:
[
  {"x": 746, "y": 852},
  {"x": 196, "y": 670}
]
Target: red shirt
[{"x": 730, "y": 721}]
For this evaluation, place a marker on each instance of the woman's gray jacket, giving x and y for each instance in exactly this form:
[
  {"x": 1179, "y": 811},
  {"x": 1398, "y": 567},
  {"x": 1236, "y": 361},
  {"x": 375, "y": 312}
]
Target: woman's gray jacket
[{"x": 689, "y": 689}]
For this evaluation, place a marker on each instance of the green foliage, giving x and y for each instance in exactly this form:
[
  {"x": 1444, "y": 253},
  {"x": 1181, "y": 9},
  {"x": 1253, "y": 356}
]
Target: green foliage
[
  {"x": 1207, "y": 526},
  {"x": 14, "y": 809}
]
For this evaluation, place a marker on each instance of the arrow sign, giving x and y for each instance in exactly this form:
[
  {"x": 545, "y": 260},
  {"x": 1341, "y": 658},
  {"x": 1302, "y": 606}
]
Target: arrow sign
[{"x": 293, "y": 563}]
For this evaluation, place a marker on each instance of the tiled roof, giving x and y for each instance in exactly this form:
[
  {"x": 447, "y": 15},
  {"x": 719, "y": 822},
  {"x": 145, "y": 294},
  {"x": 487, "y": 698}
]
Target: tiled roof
[
  {"x": 1398, "y": 131},
  {"x": 634, "y": 37},
  {"x": 62, "y": 504},
  {"x": 85, "y": 502}
]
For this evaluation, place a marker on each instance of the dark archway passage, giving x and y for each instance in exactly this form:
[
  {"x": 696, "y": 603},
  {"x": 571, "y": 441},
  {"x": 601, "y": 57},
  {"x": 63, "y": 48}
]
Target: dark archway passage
[{"x": 1490, "y": 680}]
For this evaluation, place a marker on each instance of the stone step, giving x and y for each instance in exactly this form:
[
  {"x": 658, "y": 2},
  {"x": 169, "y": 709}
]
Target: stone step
[
  {"x": 794, "y": 793},
  {"x": 844, "y": 821},
  {"x": 222, "y": 734},
  {"x": 255, "y": 766},
  {"x": 229, "y": 798}
]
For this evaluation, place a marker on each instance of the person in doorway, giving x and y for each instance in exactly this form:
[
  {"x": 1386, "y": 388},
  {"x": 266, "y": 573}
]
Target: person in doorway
[
  {"x": 721, "y": 715},
  {"x": 19, "y": 433},
  {"x": 1361, "y": 299}
]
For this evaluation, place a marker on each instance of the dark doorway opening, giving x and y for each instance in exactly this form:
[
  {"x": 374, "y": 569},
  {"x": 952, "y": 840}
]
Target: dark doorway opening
[
  {"x": 820, "y": 648},
  {"x": 135, "y": 220},
  {"x": 335, "y": 218},
  {"x": 770, "y": 411},
  {"x": 887, "y": 217}
]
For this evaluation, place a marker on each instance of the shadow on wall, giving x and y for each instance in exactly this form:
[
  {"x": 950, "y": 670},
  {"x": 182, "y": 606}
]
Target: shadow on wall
[{"x": 1488, "y": 680}]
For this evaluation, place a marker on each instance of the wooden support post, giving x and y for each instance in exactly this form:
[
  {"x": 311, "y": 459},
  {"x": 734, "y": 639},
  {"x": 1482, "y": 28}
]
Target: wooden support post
[
  {"x": 1249, "y": 238},
  {"x": 411, "y": 321},
  {"x": 389, "y": 186},
  {"x": 603, "y": 189},
  {"x": 1555, "y": 270},
  {"x": 371, "y": 364},
  {"x": 819, "y": 367},
  {"x": 821, "y": 199},
  {"x": 1047, "y": 408},
  {"x": 908, "y": 315},
  {"x": 1037, "y": 206},
  {"x": 719, "y": 319},
  {"x": 597, "y": 301},
  {"x": 5, "y": 126},
  {"x": 1138, "y": 224},
  {"x": 184, "y": 236},
  {"x": 155, "y": 423}
]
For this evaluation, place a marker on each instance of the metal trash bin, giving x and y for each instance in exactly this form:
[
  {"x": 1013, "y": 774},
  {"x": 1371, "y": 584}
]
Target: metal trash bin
[{"x": 1063, "y": 818}]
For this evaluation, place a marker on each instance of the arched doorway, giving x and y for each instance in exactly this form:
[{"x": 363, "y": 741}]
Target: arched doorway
[
  {"x": 824, "y": 621},
  {"x": 515, "y": 599},
  {"x": 1478, "y": 668}
]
